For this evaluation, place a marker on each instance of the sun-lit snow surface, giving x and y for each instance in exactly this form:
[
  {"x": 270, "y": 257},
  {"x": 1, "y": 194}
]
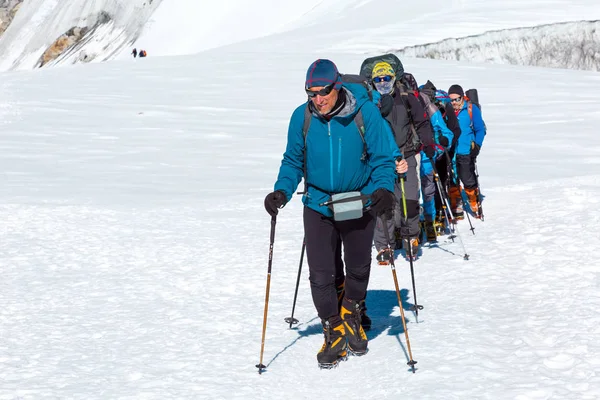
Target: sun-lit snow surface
[
  {"x": 134, "y": 241},
  {"x": 177, "y": 27},
  {"x": 373, "y": 26},
  {"x": 190, "y": 26}
]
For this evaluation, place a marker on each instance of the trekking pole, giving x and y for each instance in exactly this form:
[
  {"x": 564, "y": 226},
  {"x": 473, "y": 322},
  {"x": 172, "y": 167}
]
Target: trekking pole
[
  {"x": 416, "y": 307},
  {"x": 479, "y": 199},
  {"x": 261, "y": 367},
  {"x": 451, "y": 177},
  {"x": 472, "y": 229},
  {"x": 468, "y": 216},
  {"x": 444, "y": 196},
  {"x": 411, "y": 362},
  {"x": 446, "y": 210},
  {"x": 291, "y": 320},
  {"x": 447, "y": 201}
]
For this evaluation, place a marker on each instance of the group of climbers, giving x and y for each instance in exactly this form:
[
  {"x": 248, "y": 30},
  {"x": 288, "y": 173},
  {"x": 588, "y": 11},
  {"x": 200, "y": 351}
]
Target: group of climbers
[{"x": 376, "y": 153}]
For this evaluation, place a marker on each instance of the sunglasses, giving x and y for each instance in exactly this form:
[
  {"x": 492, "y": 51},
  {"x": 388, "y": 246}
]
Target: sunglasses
[
  {"x": 379, "y": 79},
  {"x": 456, "y": 100},
  {"x": 323, "y": 92}
]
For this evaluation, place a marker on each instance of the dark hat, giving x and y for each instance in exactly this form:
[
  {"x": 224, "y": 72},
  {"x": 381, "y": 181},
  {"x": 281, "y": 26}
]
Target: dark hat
[
  {"x": 323, "y": 73},
  {"x": 456, "y": 89}
]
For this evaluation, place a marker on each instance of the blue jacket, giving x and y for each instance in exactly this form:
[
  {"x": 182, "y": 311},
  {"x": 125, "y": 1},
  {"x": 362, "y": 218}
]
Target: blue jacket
[
  {"x": 334, "y": 152},
  {"x": 440, "y": 129},
  {"x": 471, "y": 131}
]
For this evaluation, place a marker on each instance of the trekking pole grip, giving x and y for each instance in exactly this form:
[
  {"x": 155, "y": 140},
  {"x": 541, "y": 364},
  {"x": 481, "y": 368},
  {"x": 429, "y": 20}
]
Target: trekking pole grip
[{"x": 401, "y": 176}]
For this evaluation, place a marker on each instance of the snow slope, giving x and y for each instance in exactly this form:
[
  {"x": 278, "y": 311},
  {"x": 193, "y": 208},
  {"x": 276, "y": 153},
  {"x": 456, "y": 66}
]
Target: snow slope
[
  {"x": 38, "y": 23},
  {"x": 178, "y": 27},
  {"x": 134, "y": 239}
]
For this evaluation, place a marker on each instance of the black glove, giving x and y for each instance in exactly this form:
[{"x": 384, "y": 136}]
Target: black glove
[
  {"x": 475, "y": 150},
  {"x": 274, "y": 201},
  {"x": 429, "y": 152},
  {"x": 443, "y": 141},
  {"x": 382, "y": 202}
]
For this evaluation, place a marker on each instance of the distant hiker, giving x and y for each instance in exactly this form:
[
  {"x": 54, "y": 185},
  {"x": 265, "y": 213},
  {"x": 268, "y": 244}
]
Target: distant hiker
[
  {"x": 468, "y": 146},
  {"x": 444, "y": 163},
  {"x": 134, "y": 52},
  {"x": 142, "y": 53},
  {"x": 337, "y": 159},
  {"x": 443, "y": 138}
]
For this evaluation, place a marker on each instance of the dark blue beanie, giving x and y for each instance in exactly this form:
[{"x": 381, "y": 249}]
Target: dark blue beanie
[{"x": 323, "y": 73}]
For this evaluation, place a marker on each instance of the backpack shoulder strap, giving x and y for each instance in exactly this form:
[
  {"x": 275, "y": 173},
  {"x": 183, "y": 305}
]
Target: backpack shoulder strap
[
  {"x": 307, "y": 119},
  {"x": 360, "y": 124},
  {"x": 305, "y": 128},
  {"x": 470, "y": 107},
  {"x": 404, "y": 97}
]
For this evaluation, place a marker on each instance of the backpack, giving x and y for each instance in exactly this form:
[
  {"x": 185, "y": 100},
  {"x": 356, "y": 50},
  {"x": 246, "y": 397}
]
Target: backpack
[
  {"x": 365, "y": 82},
  {"x": 405, "y": 82},
  {"x": 427, "y": 94},
  {"x": 472, "y": 97},
  {"x": 366, "y": 69},
  {"x": 409, "y": 81},
  {"x": 406, "y": 78},
  {"x": 358, "y": 119}
]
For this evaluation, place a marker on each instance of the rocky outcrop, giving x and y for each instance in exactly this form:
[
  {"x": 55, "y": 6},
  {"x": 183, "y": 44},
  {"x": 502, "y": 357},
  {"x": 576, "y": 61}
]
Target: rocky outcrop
[
  {"x": 64, "y": 42},
  {"x": 70, "y": 39},
  {"x": 8, "y": 9}
]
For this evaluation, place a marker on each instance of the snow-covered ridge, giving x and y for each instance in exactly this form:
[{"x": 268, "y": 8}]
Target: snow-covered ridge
[
  {"x": 52, "y": 32},
  {"x": 572, "y": 45}
]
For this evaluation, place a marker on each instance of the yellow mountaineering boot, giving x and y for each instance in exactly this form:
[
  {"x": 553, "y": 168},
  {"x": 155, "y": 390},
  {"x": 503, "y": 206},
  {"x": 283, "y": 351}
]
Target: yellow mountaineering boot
[
  {"x": 357, "y": 339},
  {"x": 335, "y": 347}
]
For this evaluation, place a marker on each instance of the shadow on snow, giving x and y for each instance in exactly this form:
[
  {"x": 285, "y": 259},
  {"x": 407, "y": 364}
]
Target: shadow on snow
[{"x": 381, "y": 305}]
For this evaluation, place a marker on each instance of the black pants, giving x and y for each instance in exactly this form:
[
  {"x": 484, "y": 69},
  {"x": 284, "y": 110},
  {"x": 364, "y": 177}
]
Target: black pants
[
  {"x": 466, "y": 170},
  {"x": 324, "y": 238}
]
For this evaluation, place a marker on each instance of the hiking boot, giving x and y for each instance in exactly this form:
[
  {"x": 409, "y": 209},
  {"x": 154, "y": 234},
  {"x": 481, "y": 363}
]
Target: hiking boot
[
  {"x": 384, "y": 256},
  {"x": 458, "y": 215},
  {"x": 398, "y": 239},
  {"x": 365, "y": 321},
  {"x": 357, "y": 339},
  {"x": 458, "y": 211},
  {"x": 414, "y": 246},
  {"x": 335, "y": 347},
  {"x": 440, "y": 228},
  {"x": 473, "y": 200},
  {"x": 456, "y": 203},
  {"x": 440, "y": 224},
  {"x": 430, "y": 231}
]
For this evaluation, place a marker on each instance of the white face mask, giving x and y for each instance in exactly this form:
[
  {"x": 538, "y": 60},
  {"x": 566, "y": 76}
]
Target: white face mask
[{"x": 385, "y": 87}]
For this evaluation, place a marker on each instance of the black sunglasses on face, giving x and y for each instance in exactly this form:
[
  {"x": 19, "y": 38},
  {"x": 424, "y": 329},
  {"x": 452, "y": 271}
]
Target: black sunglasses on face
[
  {"x": 323, "y": 92},
  {"x": 456, "y": 100}
]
